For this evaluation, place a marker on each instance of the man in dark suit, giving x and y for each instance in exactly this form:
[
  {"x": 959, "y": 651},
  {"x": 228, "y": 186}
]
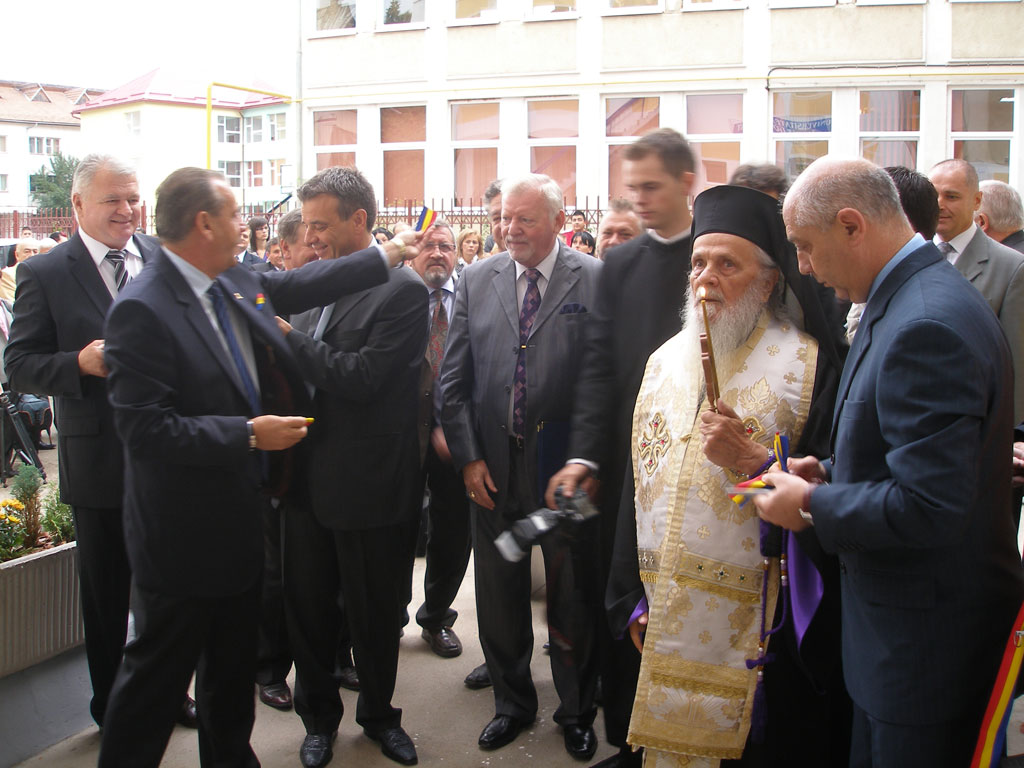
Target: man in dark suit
[
  {"x": 56, "y": 349},
  {"x": 514, "y": 346},
  {"x": 918, "y": 505},
  {"x": 448, "y": 512},
  {"x": 994, "y": 269},
  {"x": 640, "y": 293},
  {"x": 362, "y": 355},
  {"x": 1001, "y": 214},
  {"x": 198, "y": 368}
]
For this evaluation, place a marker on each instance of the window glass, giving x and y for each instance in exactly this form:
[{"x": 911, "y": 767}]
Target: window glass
[
  {"x": 335, "y": 14},
  {"x": 890, "y": 111},
  {"x": 474, "y": 170},
  {"x": 475, "y": 122},
  {"x": 403, "y": 176},
  {"x": 403, "y": 11},
  {"x": 794, "y": 156},
  {"x": 990, "y": 158},
  {"x": 982, "y": 110},
  {"x": 715, "y": 161},
  {"x": 334, "y": 127},
  {"x": 330, "y": 159},
  {"x": 633, "y": 116},
  {"x": 553, "y": 119},
  {"x": 229, "y": 129},
  {"x": 474, "y": 9},
  {"x": 632, "y": 3},
  {"x": 553, "y": 6},
  {"x": 802, "y": 112},
  {"x": 559, "y": 163},
  {"x": 885, "y": 153},
  {"x": 714, "y": 113},
  {"x": 399, "y": 124}
]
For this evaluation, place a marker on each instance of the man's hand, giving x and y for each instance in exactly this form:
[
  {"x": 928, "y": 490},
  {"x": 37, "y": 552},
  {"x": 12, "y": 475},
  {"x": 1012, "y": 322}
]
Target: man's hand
[
  {"x": 440, "y": 444},
  {"x": 403, "y": 247},
  {"x": 283, "y": 324},
  {"x": 807, "y": 467},
  {"x": 726, "y": 443},
  {"x": 1018, "y": 465},
  {"x": 569, "y": 477},
  {"x": 637, "y": 629},
  {"x": 478, "y": 481},
  {"x": 275, "y": 433},
  {"x": 90, "y": 360},
  {"x": 782, "y": 506}
]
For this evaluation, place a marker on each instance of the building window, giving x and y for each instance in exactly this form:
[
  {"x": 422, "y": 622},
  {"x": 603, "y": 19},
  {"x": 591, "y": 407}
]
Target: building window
[
  {"x": 36, "y": 180},
  {"x": 475, "y": 140},
  {"x": 635, "y": 6},
  {"x": 549, "y": 124},
  {"x": 40, "y": 145},
  {"x": 627, "y": 118},
  {"x": 276, "y": 172},
  {"x": 483, "y": 10},
  {"x": 277, "y": 126},
  {"x": 801, "y": 128},
  {"x": 981, "y": 125},
  {"x": 253, "y": 129},
  {"x": 335, "y": 14},
  {"x": 3, "y": 143},
  {"x": 551, "y": 9},
  {"x": 335, "y": 129},
  {"x": 229, "y": 129},
  {"x": 404, "y": 129},
  {"x": 254, "y": 173},
  {"x": 3, "y": 182},
  {"x": 714, "y": 123},
  {"x": 890, "y": 122},
  {"x": 232, "y": 170},
  {"x": 332, "y": 159},
  {"x": 402, "y": 11},
  {"x": 133, "y": 123}
]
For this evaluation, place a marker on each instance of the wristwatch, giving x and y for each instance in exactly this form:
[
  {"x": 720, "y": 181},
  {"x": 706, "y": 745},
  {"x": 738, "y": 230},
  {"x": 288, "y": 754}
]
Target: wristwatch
[{"x": 252, "y": 435}]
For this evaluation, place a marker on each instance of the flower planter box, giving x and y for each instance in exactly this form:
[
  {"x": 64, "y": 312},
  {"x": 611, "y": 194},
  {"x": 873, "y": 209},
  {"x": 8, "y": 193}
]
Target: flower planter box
[{"x": 40, "y": 610}]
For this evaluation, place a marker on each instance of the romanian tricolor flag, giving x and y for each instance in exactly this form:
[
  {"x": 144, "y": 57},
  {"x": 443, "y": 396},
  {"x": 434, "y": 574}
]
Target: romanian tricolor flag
[
  {"x": 427, "y": 219},
  {"x": 989, "y": 751}
]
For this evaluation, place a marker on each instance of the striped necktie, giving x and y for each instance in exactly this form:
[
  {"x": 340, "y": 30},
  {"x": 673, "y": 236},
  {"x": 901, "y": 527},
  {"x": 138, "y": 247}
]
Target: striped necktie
[
  {"x": 531, "y": 302},
  {"x": 120, "y": 270}
]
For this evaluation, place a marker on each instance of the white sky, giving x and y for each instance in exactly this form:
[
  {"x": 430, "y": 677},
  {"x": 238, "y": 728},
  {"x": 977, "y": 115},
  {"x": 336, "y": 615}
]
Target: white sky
[{"x": 107, "y": 43}]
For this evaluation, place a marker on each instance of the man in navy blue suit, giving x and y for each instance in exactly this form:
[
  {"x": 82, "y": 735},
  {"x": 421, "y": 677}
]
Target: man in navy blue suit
[
  {"x": 207, "y": 398},
  {"x": 915, "y": 496}
]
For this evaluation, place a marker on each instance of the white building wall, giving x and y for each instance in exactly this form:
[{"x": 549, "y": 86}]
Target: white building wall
[{"x": 18, "y": 163}]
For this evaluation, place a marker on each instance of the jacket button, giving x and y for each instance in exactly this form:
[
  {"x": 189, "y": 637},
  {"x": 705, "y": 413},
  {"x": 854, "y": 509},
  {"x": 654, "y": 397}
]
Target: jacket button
[
  {"x": 507, "y": 389},
  {"x": 842, "y": 567}
]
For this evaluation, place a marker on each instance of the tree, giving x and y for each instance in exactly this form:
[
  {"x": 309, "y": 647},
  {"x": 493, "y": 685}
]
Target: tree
[
  {"x": 52, "y": 186},
  {"x": 394, "y": 15}
]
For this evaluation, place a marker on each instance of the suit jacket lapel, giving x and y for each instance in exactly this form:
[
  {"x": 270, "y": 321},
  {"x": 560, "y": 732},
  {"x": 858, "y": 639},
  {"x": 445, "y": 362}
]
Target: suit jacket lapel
[
  {"x": 563, "y": 277},
  {"x": 83, "y": 268},
  {"x": 873, "y": 312},
  {"x": 505, "y": 287},
  {"x": 971, "y": 261},
  {"x": 342, "y": 307}
]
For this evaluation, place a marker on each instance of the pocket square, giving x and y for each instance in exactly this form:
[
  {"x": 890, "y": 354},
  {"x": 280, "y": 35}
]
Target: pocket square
[{"x": 572, "y": 309}]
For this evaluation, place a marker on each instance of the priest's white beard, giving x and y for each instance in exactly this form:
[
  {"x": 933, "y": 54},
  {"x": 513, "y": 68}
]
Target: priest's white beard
[{"x": 730, "y": 325}]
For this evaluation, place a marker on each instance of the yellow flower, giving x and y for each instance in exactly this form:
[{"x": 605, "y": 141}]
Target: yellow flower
[{"x": 15, "y": 520}]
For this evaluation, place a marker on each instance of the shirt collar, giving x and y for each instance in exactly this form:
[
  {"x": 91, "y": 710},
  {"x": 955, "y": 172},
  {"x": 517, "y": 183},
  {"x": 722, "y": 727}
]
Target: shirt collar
[
  {"x": 668, "y": 240},
  {"x": 98, "y": 251},
  {"x": 960, "y": 241},
  {"x": 546, "y": 267},
  {"x": 912, "y": 245},
  {"x": 197, "y": 280}
]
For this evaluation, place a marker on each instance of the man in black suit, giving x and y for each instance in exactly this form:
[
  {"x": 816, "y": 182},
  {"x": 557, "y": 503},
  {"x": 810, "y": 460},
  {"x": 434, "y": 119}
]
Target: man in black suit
[
  {"x": 362, "y": 357},
  {"x": 448, "y": 512},
  {"x": 198, "y": 370},
  {"x": 639, "y": 296},
  {"x": 56, "y": 349}
]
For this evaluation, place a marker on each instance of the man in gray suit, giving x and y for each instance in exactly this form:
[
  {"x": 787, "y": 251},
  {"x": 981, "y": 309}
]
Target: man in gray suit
[
  {"x": 514, "y": 347},
  {"x": 1001, "y": 215},
  {"x": 992, "y": 268}
]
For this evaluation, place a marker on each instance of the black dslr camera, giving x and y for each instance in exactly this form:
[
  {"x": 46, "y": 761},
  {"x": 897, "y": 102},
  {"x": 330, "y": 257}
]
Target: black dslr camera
[{"x": 515, "y": 542}]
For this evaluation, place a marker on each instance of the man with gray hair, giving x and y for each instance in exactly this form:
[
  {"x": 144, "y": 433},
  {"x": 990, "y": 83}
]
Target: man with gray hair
[
  {"x": 914, "y": 496},
  {"x": 1001, "y": 215},
  {"x": 25, "y": 248},
  {"x": 621, "y": 224},
  {"x": 56, "y": 349},
  {"x": 513, "y": 352}
]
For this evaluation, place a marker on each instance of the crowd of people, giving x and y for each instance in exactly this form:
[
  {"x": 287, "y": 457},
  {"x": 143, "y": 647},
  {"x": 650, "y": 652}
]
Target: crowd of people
[{"x": 769, "y": 444}]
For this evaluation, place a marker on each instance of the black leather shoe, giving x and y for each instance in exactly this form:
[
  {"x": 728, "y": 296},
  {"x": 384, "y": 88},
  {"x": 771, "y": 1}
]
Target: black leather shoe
[
  {"x": 500, "y": 731},
  {"x": 444, "y": 642},
  {"x": 478, "y": 678},
  {"x": 188, "y": 716},
  {"x": 580, "y": 742},
  {"x": 625, "y": 758},
  {"x": 316, "y": 749},
  {"x": 347, "y": 677},
  {"x": 276, "y": 695},
  {"x": 396, "y": 745}
]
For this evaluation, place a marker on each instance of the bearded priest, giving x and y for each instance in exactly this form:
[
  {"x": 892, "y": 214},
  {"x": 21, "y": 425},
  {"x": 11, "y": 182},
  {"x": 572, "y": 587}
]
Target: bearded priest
[{"x": 698, "y": 579}]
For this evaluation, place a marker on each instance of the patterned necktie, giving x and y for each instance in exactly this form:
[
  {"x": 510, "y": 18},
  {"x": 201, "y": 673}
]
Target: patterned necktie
[
  {"x": 216, "y": 294},
  {"x": 948, "y": 251},
  {"x": 120, "y": 271},
  {"x": 531, "y": 302},
  {"x": 438, "y": 333}
]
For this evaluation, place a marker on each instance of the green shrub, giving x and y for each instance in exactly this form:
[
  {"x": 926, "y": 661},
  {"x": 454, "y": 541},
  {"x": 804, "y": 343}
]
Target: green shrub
[{"x": 56, "y": 519}]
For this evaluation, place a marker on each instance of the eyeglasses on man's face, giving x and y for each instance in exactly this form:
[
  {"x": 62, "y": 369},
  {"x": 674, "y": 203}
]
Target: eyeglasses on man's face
[{"x": 442, "y": 247}]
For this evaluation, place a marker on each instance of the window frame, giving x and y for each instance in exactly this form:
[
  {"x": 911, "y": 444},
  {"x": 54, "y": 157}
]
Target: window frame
[
  {"x": 223, "y": 130},
  {"x": 460, "y": 144}
]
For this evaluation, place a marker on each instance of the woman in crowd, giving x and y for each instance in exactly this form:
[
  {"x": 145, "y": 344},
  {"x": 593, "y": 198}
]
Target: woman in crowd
[
  {"x": 259, "y": 233},
  {"x": 382, "y": 235},
  {"x": 468, "y": 248},
  {"x": 584, "y": 242}
]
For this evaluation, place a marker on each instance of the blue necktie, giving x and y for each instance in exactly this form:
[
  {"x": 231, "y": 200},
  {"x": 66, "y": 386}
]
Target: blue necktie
[{"x": 216, "y": 294}]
